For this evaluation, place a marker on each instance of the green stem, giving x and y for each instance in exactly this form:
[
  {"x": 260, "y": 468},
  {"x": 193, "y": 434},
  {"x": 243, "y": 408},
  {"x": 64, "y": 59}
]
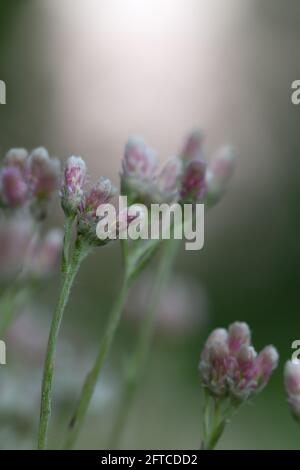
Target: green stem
[
  {"x": 141, "y": 353},
  {"x": 69, "y": 273},
  {"x": 93, "y": 376},
  {"x": 215, "y": 419},
  {"x": 69, "y": 221}
]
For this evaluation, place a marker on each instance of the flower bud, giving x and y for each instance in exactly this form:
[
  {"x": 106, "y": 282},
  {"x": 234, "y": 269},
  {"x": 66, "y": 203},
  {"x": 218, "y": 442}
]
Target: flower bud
[
  {"x": 100, "y": 193},
  {"x": 16, "y": 157},
  {"x": 292, "y": 378},
  {"x": 238, "y": 335},
  {"x": 266, "y": 362},
  {"x": 44, "y": 173},
  {"x": 219, "y": 172},
  {"x": 193, "y": 186},
  {"x": 168, "y": 180},
  {"x": 292, "y": 386},
  {"x": 139, "y": 161},
  {"x": 192, "y": 149},
  {"x": 14, "y": 190},
  {"x": 72, "y": 190}
]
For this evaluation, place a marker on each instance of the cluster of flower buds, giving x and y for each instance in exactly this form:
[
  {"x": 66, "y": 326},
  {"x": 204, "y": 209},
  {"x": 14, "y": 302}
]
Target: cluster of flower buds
[
  {"x": 230, "y": 367},
  {"x": 185, "y": 178},
  {"x": 83, "y": 203},
  {"x": 140, "y": 179},
  {"x": 292, "y": 386},
  {"x": 29, "y": 180},
  {"x": 23, "y": 253},
  {"x": 201, "y": 182}
]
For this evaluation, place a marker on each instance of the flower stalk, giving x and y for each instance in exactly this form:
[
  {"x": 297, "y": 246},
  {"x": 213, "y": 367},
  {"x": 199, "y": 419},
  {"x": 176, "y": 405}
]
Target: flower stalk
[
  {"x": 215, "y": 418},
  {"x": 69, "y": 271}
]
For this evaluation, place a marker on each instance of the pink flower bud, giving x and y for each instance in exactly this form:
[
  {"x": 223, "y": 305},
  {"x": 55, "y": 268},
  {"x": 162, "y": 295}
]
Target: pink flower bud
[
  {"x": 266, "y": 362},
  {"x": 292, "y": 386},
  {"x": 219, "y": 335},
  {"x": 44, "y": 173},
  {"x": 100, "y": 193},
  {"x": 16, "y": 157},
  {"x": 219, "y": 173},
  {"x": 213, "y": 363},
  {"x": 246, "y": 358},
  {"x": 74, "y": 179},
  {"x": 14, "y": 190},
  {"x": 292, "y": 378},
  {"x": 239, "y": 335},
  {"x": 193, "y": 186},
  {"x": 140, "y": 162},
  {"x": 168, "y": 180},
  {"x": 192, "y": 149}
]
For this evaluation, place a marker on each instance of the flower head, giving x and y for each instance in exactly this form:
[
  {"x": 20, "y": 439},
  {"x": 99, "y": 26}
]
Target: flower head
[
  {"x": 230, "y": 367},
  {"x": 292, "y": 386},
  {"x": 14, "y": 189},
  {"x": 29, "y": 180},
  {"x": 140, "y": 162},
  {"x": 193, "y": 186},
  {"x": 73, "y": 185},
  {"x": 140, "y": 178},
  {"x": 44, "y": 173},
  {"x": 100, "y": 193},
  {"x": 192, "y": 149},
  {"x": 16, "y": 157}
]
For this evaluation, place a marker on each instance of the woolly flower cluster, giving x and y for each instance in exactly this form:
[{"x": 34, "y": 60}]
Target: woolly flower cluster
[
  {"x": 184, "y": 178},
  {"x": 29, "y": 180},
  {"x": 82, "y": 203},
  {"x": 230, "y": 366}
]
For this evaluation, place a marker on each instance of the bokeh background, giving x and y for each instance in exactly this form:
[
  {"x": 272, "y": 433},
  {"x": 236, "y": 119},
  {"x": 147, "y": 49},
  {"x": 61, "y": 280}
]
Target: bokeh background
[{"x": 83, "y": 75}]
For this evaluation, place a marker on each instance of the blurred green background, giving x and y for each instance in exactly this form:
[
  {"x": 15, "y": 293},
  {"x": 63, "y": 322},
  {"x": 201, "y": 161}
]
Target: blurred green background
[{"x": 81, "y": 77}]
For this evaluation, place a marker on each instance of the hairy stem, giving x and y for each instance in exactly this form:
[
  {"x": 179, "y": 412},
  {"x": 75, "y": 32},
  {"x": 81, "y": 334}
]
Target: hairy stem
[
  {"x": 215, "y": 418},
  {"x": 93, "y": 376},
  {"x": 69, "y": 221},
  {"x": 142, "y": 350},
  {"x": 69, "y": 272}
]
